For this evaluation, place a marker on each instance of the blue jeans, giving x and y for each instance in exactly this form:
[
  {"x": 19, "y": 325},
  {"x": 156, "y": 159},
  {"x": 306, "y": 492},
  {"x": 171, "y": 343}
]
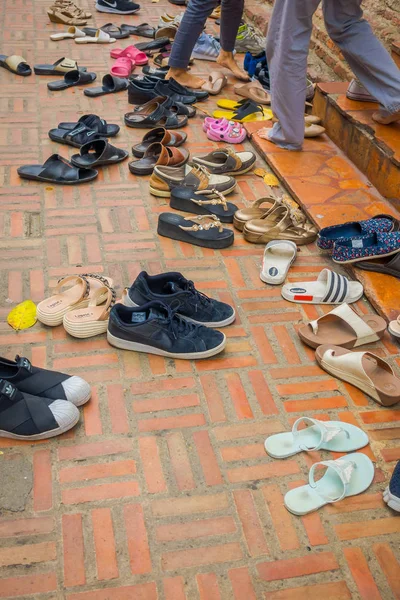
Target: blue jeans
[{"x": 193, "y": 23}]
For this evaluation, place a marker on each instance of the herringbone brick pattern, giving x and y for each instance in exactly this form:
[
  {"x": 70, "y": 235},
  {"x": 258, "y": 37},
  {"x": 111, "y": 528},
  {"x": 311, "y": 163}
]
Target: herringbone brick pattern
[{"x": 164, "y": 490}]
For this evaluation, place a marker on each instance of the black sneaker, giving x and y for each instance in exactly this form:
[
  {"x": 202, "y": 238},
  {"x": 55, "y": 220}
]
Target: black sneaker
[
  {"x": 27, "y": 417},
  {"x": 41, "y": 382},
  {"x": 392, "y": 493},
  {"x": 154, "y": 328},
  {"x": 119, "y": 7},
  {"x": 180, "y": 295}
]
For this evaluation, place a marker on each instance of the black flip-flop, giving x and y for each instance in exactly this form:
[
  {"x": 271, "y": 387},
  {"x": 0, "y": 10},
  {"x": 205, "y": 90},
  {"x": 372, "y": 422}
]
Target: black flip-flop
[
  {"x": 160, "y": 73},
  {"x": 144, "y": 30},
  {"x": 246, "y": 109},
  {"x": 113, "y": 31},
  {"x": 98, "y": 153},
  {"x": 154, "y": 45},
  {"x": 57, "y": 169},
  {"x": 202, "y": 203},
  {"x": 60, "y": 67},
  {"x": 15, "y": 64},
  {"x": 110, "y": 85},
  {"x": 71, "y": 79},
  {"x": 205, "y": 231},
  {"x": 159, "y": 117},
  {"x": 94, "y": 123},
  {"x": 389, "y": 265},
  {"x": 75, "y": 137}
]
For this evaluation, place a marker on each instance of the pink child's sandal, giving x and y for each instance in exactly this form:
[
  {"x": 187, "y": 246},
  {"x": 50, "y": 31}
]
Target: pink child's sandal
[
  {"x": 122, "y": 67},
  {"x": 232, "y": 132},
  {"x": 208, "y": 121},
  {"x": 131, "y": 52}
]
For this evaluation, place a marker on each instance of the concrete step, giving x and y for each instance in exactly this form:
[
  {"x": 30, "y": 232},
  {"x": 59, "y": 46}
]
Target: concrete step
[
  {"x": 373, "y": 148},
  {"x": 332, "y": 190}
]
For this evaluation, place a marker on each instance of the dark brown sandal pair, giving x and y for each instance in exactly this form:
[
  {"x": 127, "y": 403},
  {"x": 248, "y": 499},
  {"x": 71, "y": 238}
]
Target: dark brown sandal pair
[
  {"x": 157, "y": 154},
  {"x": 162, "y": 136}
]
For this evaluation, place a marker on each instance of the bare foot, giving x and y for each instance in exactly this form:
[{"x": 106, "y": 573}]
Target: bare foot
[
  {"x": 225, "y": 59},
  {"x": 185, "y": 78}
]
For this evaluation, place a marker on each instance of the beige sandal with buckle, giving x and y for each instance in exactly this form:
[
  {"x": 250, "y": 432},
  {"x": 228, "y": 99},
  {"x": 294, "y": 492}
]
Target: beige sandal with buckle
[
  {"x": 52, "y": 310},
  {"x": 366, "y": 371},
  {"x": 59, "y": 14},
  {"x": 343, "y": 327},
  {"x": 93, "y": 320}
]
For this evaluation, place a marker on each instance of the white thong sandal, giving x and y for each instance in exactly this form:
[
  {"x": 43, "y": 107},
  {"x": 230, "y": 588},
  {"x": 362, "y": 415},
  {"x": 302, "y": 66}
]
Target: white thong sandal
[
  {"x": 335, "y": 436},
  {"x": 329, "y": 288},
  {"x": 279, "y": 255},
  {"x": 343, "y": 327},
  {"x": 344, "y": 477},
  {"x": 52, "y": 310},
  {"x": 370, "y": 373},
  {"x": 93, "y": 320},
  {"x": 394, "y": 327}
]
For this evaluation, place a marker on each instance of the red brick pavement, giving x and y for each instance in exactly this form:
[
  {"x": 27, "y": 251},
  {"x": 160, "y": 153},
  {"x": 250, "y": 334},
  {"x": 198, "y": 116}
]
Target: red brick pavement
[{"x": 164, "y": 490}]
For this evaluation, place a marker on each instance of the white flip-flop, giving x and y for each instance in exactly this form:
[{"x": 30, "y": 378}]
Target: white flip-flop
[
  {"x": 279, "y": 255},
  {"x": 100, "y": 37},
  {"x": 335, "y": 436},
  {"x": 394, "y": 327},
  {"x": 344, "y": 477},
  {"x": 329, "y": 288},
  {"x": 71, "y": 33}
]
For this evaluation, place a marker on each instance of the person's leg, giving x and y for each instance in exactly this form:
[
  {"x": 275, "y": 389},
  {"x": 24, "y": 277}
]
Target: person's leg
[
  {"x": 231, "y": 16},
  {"x": 288, "y": 40},
  {"x": 368, "y": 59},
  {"x": 189, "y": 30}
]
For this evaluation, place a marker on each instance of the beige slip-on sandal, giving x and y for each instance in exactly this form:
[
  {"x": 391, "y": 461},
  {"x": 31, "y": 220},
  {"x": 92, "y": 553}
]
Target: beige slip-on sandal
[
  {"x": 71, "y": 33},
  {"x": 93, "y": 320},
  {"x": 254, "y": 91},
  {"x": 52, "y": 310},
  {"x": 216, "y": 81},
  {"x": 258, "y": 210},
  {"x": 366, "y": 371},
  {"x": 394, "y": 327},
  {"x": 100, "y": 37},
  {"x": 343, "y": 327}
]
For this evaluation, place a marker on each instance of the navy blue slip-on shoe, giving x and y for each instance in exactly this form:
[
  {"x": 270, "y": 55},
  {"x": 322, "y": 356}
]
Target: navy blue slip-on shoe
[
  {"x": 41, "y": 382},
  {"x": 354, "y": 229},
  {"x": 373, "y": 245},
  {"x": 392, "y": 493},
  {"x": 156, "y": 329},
  {"x": 180, "y": 294}
]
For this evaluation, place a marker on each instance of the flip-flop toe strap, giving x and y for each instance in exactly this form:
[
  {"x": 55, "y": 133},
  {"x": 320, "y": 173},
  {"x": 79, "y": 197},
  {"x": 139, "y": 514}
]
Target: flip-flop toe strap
[
  {"x": 342, "y": 467},
  {"x": 327, "y": 432}
]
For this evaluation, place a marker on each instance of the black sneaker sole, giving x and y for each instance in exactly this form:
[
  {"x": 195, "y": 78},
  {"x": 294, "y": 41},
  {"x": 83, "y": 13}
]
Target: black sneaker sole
[{"x": 126, "y": 345}]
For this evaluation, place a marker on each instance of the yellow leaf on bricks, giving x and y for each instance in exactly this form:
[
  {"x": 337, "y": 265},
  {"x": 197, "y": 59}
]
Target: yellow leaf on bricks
[
  {"x": 271, "y": 180},
  {"x": 22, "y": 316},
  {"x": 260, "y": 172}
]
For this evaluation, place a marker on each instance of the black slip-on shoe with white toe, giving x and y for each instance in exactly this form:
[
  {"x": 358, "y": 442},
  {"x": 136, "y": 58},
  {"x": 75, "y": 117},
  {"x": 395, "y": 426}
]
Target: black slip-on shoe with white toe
[
  {"x": 118, "y": 7},
  {"x": 27, "y": 417},
  {"x": 180, "y": 294},
  {"x": 41, "y": 382},
  {"x": 156, "y": 329}
]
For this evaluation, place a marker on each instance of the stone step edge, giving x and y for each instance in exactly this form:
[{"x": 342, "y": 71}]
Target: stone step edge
[{"x": 372, "y": 282}]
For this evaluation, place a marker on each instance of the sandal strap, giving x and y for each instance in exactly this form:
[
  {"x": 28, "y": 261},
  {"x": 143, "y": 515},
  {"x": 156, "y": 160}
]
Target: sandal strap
[
  {"x": 327, "y": 431},
  {"x": 110, "y": 301},
  {"x": 364, "y": 333},
  {"x": 336, "y": 286},
  {"x": 201, "y": 222},
  {"x": 14, "y": 61},
  {"x": 81, "y": 279},
  {"x": 343, "y": 468},
  {"x": 216, "y": 198}
]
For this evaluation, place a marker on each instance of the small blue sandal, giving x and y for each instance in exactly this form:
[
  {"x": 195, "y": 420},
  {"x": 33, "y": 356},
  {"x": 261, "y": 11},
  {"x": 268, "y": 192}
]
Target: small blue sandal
[
  {"x": 354, "y": 229},
  {"x": 374, "y": 245}
]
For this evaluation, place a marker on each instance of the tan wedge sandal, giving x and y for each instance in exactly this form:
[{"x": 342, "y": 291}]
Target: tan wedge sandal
[
  {"x": 52, "y": 310},
  {"x": 93, "y": 320}
]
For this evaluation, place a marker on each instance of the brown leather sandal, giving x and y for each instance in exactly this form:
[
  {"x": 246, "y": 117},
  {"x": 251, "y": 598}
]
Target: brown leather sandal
[
  {"x": 161, "y": 135},
  {"x": 157, "y": 154}
]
